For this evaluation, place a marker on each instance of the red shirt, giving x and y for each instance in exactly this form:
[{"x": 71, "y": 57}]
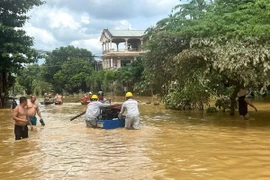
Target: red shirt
[{"x": 84, "y": 99}]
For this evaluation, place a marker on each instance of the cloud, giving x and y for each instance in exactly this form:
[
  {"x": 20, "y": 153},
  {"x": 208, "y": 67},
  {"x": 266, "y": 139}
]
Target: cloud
[
  {"x": 42, "y": 37},
  {"x": 117, "y": 9},
  {"x": 123, "y": 24},
  {"x": 60, "y": 19},
  {"x": 92, "y": 44},
  {"x": 80, "y": 23}
]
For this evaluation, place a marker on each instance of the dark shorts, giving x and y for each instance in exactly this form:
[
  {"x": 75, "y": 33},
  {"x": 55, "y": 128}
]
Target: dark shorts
[
  {"x": 33, "y": 120},
  {"x": 243, "y": 112},
  {"x": 20, "y": 132}
]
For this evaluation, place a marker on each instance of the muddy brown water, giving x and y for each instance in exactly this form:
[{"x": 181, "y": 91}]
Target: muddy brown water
[{"x": 170, "y": 145}]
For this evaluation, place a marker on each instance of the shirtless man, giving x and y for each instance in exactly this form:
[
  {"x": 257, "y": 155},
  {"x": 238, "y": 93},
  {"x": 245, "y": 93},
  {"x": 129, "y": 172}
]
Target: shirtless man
[
  {"x": 21, "y": 119},
  {"x": 46, "y": 97},
  {"x": 32, "y": 110},
  {"x": 59, "y": 98}
]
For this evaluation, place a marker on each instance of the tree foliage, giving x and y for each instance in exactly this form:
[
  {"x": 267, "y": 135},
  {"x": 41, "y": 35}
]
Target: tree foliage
[
  {"x": 67, "y": 68},
  {"x": 16, "y": 47},
  {"x": 115, "y": 80},
  {"x": 71, "y": 70},
  {"x": 224, "y": 44},
  {"x": 30, "y": 79}
]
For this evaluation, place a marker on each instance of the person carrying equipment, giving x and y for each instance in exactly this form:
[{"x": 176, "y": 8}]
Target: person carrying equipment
[
  {"x": 93, "y": 111},
  {"x": 133, "y": 115}
]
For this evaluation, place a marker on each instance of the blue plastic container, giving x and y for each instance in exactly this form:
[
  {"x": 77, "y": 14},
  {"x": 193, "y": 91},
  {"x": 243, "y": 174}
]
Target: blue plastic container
[
  {"x": 122, "y": 122},
  {"x": 111, "y": 123}
]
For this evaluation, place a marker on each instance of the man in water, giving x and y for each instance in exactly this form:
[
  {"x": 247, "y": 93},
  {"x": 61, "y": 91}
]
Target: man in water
[
  {"x": 13, "y": 105},
  {"x": 93, "y": 111},
  {"x": 21, "y": 119},
  {"x": 84, "y": 99},
  {"x": 90, "y": 95},
  {"x": 101, "y": 97},
  {"x": 59, "y": 98},
  {"x": 243, "y": 103},
  {"x": 133, "y": 115},
  {"x": 46, "y": 97},
  {"x": 32, "y": 110}
]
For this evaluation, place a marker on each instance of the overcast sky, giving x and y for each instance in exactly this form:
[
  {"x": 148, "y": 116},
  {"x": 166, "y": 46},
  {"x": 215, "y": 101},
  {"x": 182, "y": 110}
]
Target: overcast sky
[{"x": 80, "y": 22}]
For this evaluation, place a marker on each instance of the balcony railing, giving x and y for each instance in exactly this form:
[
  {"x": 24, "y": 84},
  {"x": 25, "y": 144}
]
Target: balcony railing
[{"x": 123, "y": 50}]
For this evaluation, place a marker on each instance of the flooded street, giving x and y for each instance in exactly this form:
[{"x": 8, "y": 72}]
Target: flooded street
[{"x": 170, "y": 145}]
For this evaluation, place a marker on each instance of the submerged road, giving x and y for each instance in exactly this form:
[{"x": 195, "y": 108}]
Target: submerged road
[{"x": 170, "y": 145}]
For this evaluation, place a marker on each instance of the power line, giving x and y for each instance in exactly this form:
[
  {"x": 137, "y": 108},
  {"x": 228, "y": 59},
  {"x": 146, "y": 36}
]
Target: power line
[{"x": 66, "y": 55}]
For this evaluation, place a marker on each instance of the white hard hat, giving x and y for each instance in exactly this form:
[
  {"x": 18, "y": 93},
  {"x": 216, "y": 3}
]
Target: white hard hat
[{"x": 90, "y": 92}]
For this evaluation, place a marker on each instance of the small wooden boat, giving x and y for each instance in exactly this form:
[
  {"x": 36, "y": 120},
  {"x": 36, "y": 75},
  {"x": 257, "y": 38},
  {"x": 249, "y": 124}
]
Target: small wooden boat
[
  {"x": 46, "y": 102},
  {"x": 85, "y": 103},
  {"x": 58, "y": 103}
]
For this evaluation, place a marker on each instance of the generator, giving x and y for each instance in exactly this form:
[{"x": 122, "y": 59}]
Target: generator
[{"x": 110, "y": 112}]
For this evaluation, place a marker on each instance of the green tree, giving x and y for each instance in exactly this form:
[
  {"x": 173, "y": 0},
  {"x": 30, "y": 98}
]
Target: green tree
[
  {"x": 115, "y": 80},
  {"x": 95, "y": 81},
  {"x": 130, "y": 75},
  {"x": 236, "y": 46},
  {"x": 67, "y": 68},
  {"x": 223, "y": 41},
  {"x": 16, "y": 46},
  {"x": 72, "y": 76},
  {"x": 162, "y": 46},
  {"x": 31, "y": 80},
  {"x": 27, "y": 76}
]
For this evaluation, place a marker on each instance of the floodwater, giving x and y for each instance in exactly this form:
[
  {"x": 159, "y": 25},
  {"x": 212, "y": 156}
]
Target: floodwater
[{"x": 170, "y": 145}]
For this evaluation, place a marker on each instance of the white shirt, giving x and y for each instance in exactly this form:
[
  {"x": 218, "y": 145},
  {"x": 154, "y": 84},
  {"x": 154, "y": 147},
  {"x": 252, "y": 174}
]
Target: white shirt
[
  {"x": 93, "y": 109},
  {"x": 131, "y": 106}
]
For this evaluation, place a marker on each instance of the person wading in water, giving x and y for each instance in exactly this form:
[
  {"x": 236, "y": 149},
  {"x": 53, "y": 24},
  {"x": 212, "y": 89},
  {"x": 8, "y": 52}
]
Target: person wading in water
[
  {"x": 243, "y": 103},
  {"x": 132, "y": 120},
  {"x": 21, "y": 119},
  {"x": 93, "y": 111},
  {"x": 32, "y": 110}
]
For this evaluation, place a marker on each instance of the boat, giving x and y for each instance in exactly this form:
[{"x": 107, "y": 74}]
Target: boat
[
  {"x": 9, "y": 101},
  {"x": 109, "y": 118},
  {"x": 85, "y": 103},
  {"x": 58, "y": 103},
  {"x": 111, "y": 123},
  {"x": 46, "y": 102}
]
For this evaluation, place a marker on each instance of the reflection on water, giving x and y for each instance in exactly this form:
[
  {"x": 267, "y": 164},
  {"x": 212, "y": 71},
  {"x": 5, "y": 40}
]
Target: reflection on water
[{"x": 170, "y": 145}]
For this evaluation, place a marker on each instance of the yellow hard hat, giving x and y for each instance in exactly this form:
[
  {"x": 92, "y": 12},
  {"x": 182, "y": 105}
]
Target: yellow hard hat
[
  {"x": 94, "y": 97},
  {"x": 129, "y": 94}
]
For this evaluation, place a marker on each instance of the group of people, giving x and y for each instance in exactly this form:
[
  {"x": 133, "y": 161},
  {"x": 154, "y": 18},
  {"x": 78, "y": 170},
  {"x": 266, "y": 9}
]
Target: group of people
[
  {"x": 25, "y": 114},
  {"x": 131, "y": 107},
  {"x": 58, "y": 98},
  {"x": 101, "y": 98}
]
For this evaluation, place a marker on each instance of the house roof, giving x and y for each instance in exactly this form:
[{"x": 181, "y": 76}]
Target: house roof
[
  {"x": 106, "y": 33},
  {"x": 126, "y": 33}
]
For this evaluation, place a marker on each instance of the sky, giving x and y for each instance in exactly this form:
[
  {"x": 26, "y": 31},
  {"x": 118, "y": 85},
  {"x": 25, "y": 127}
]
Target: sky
[{"x": 80, "y": 22}]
